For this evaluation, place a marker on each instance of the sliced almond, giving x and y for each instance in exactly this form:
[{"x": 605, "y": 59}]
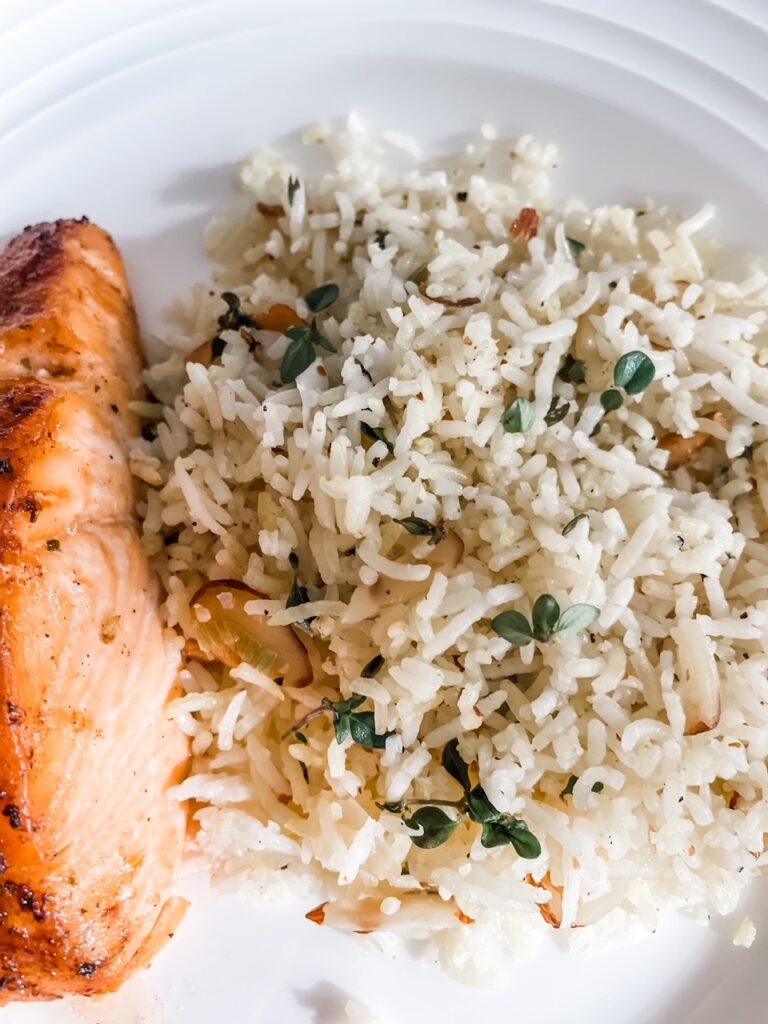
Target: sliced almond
[
  {"x": 195, "y": 652},
  {"x": 526, "y": 224},
  {"x": 448, "y": 553},
  {"x": 419, "y": 915},
  {"x": 683, "y": 449},
  {"x": 552, "y": 910},
  {"x": 279, "y": 318}
]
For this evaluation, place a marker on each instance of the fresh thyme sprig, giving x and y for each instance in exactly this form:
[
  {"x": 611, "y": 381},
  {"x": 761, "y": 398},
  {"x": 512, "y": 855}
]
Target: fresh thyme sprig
[
  {"x": 347, "y": 721},
  {"x": 436, "y": 827},
  {"x": 547, "y": 621}
]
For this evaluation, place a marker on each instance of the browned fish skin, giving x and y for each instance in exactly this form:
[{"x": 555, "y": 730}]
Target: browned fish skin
[{"x": 89, "y": 840}]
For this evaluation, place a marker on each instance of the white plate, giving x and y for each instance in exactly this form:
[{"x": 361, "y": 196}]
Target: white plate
[{"x": 133, "y": 113}]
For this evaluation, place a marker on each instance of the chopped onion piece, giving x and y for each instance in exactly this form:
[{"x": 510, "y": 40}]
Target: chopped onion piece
[{"x": 232, "y": 636}]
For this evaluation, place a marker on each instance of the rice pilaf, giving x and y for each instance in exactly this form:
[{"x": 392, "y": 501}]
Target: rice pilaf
[{"x": 514, "y": 513}]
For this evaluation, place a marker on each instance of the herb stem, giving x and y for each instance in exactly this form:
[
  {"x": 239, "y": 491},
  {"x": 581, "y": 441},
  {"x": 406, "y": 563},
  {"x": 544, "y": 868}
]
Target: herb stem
[
  {"x": 459, "y": 804},
  {"x": 315, "y": 713}
]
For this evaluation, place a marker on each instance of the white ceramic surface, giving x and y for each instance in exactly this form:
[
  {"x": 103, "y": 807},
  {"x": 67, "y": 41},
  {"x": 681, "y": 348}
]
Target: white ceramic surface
[{"x": 133, "y": 113}]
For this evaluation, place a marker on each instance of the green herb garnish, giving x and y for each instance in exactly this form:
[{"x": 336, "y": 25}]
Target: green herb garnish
[
  {"x": 322, "y": 297},
  {"x": 395, "y": 807},
  {"x": 422, "y": 528},
  {"x": 576, "y": 618},
  {"x": 546, "y": 612},
  {"x": 376, "y": 434},
  {"x": 514, "y": 627},
  {"x": 300, "y": 354},
  {"x": 235, "y": 317},
  {"x": 381, "y": 239},
  {"x": 634, "y": 372},
  {"x": 436, "y": 827},
  {"x": 454, "y": 765},
  {"x": 508, "y": 830},
  {"x": 546, "y": 621},
  {"x": 359, "y": 724},
  {"x": 573, "y": 523},
  {"x": 556, "y": 412},
  {"x": 299, "y": 594},
  {"x": 347, "y": 720},
  {"x": 573, "y": 371},
  {"x": 611, "y": 400},
  {"x": 577, "y": 248},
  {"x": 479, "y": 807},
  {"x": 572, "y": 780},
  {"x": 519, "y": 417},
  {"x": 293, "y": 187}
]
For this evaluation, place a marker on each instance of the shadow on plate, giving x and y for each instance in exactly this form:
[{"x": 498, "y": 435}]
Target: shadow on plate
[{"x": 326, "y": 1002}]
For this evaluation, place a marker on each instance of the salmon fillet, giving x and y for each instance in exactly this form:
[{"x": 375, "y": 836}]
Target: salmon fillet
[{"x": 89, "y": 840}]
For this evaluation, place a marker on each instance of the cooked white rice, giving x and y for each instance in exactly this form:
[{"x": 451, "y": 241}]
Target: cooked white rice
[{"x": 246, "y": 471}]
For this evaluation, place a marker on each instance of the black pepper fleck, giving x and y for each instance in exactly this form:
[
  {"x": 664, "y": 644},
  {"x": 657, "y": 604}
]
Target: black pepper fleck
[
  {"x": 15, "y": 713},
  {"x": 13, "y": 814},
  {"x": 6, "y": 466}
]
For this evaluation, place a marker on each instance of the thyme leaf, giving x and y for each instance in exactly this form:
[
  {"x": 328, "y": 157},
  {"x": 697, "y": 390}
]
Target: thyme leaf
[
  {"x": 556, "y": 412},
  {"x": 322, "y": 297},
  {"x": 519, "y": 417},
  {"x": 634, "y": 372},
  {"x": 436, "y": 827},
  {"x": 573, "y": 523},
  {"x": 423, "y": 528}
]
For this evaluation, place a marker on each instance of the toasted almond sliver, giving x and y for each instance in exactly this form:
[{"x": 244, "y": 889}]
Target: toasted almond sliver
[
  {"x": 552, "y": 910},
  {"x": 279, "y": 318},
  {"x": 526, "y": 224},
  {"x": 683, "y": 449}
]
